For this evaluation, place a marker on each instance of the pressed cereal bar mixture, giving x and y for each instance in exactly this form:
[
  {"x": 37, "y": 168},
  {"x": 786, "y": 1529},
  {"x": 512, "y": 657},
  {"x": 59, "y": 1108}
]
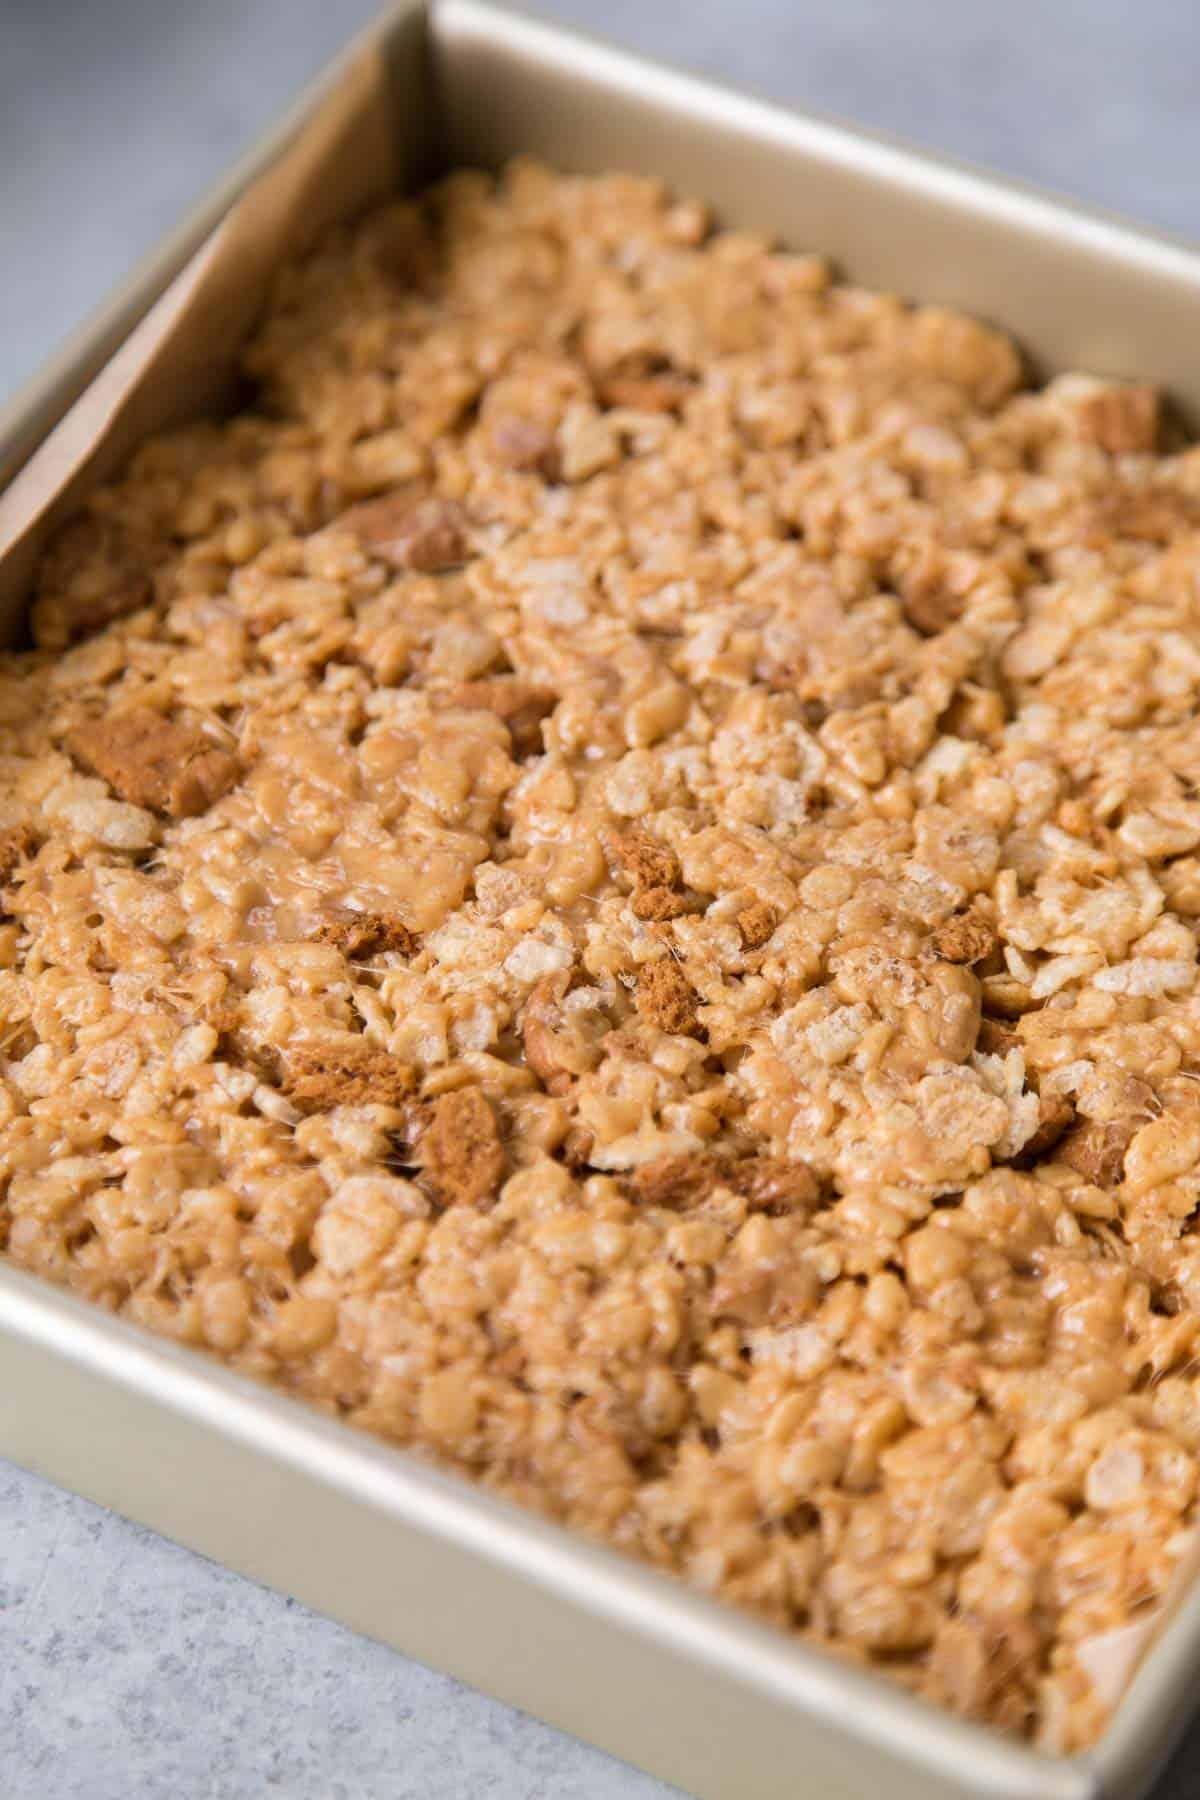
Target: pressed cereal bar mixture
[{"x": 605, "y": 884}]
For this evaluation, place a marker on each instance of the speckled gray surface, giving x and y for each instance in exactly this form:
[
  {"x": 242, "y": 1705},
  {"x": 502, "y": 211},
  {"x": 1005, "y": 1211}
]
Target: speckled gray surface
[{"x": 129, "y": 1669}]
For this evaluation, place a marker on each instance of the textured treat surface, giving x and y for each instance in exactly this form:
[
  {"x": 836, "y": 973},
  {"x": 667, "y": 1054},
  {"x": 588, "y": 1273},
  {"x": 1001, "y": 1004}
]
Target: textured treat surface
[{"x": 605, "y": 884}]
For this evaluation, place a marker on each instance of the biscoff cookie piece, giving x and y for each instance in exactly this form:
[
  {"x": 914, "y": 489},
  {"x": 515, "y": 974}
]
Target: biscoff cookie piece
[
  {"x": 653, "y": 868},
  {"x": 658, "y": 904},
  {"x": 358, "y": 934},
  {"x": 757, "y": 923},
  {"x": 666, "y": 998},
  {"x": 92, "y": 574},
  {"x": 1056, "y": 1116},
  {"x": 771, "y": 1184},
  {"x": 673, "y": 1181},
  {"x": 646, "y": 862},
  {"x": 1097, "y": 1151},
  {"x": 1120, "y": 417},
  {"x": 519, "y": 705},
  {"x": 150, "y": 761},
  {"x": 17, "y": 844},
  {"x": 426, "y": 536},
  {"x": 966, "y": 938},
  {"x": 461, "y": 1150},
  {"x": 351, "y": 1072}
]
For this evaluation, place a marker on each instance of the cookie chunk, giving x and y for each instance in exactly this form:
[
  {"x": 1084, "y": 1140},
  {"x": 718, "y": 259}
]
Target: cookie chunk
[
  {"x": 666, "y": 998},
  {"x": 17, "y": 844},
  {"x": 756, "y": 923},
  {"x": 348, "y": 1072},
  {"x": 421, "y": 536},
  {"x": 520, "y": 705},
  {"x": 967, "y": 938},
  {"x": 461, "y": 1150},
  {"x": 361, "y": 934},
  {"x": 93, "y": 574},
  {"x": 1097, "y": 1151},
  {"x": 152, "y": 761}
]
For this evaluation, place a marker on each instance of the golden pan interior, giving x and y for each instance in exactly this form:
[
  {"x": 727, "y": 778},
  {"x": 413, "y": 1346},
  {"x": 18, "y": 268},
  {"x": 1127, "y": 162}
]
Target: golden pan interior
[{"x": 616, "y": 1653}]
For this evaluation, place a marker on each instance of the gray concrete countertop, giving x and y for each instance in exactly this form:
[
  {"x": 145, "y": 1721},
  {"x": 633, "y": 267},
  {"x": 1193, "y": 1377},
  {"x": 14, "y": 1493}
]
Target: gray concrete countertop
[{"x": 130, "y": 1669}]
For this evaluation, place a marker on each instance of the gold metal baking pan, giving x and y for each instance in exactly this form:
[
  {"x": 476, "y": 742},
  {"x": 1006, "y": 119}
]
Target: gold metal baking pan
[{"x": 620, "y": 1655}]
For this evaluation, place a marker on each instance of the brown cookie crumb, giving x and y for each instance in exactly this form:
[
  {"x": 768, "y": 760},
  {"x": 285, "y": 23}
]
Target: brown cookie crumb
[
  {"x": 426, "y": 536},
  {"x": 1122, "y": 420},
  {"x": 756, "y": 923},
  {"x": 1148, "y": 515},
  {"x": 663, "y": 392},
  {"x": 672, "y": 1181},
  {"x": 648, "y": 864},
  {"x": 762, "y": 1293},
  {"x": 986, "y": 1667},
  {"x": 933, "y": 610},
  {"x": 348, "y": 1072},
  {"x": 358, "y": 934},
  {"x": 405, "y": 251},
  {"x": 223, "y": 1014},
  {"x": 92, "y": 574},
  {"x": 996, "y": 1039},
  {"x": 967, "y": 938},
  {"x": 1097, "y": 1151},
  {"x": 577, "y": 1149},
  {"x": 743, "y": 1294},
  {"x": 520, "y": 705},
  {"x": 666, "y": 998},
  {"x": 1056, "y": 1116},
  {"x": 461, "y": 1150},
  {"x": 154, "y": 762},
  {"x": 771, "y": 1185},
  {"x": 17, "y": 844},
  {"x": 527, "y": 445},
  {"x": 658, "y": 903}
]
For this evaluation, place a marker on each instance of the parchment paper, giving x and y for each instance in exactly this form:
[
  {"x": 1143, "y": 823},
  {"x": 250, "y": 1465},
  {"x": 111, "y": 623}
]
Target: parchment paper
[{"x": 342, "y": 148}]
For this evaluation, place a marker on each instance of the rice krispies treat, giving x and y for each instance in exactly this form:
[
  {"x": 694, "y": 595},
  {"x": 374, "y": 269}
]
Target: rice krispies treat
[{"x": 605, "y": 884}]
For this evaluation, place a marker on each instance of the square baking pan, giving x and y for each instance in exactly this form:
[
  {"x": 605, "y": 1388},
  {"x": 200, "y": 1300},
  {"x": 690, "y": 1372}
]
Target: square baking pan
[{"x": 618, "y": 1654}]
